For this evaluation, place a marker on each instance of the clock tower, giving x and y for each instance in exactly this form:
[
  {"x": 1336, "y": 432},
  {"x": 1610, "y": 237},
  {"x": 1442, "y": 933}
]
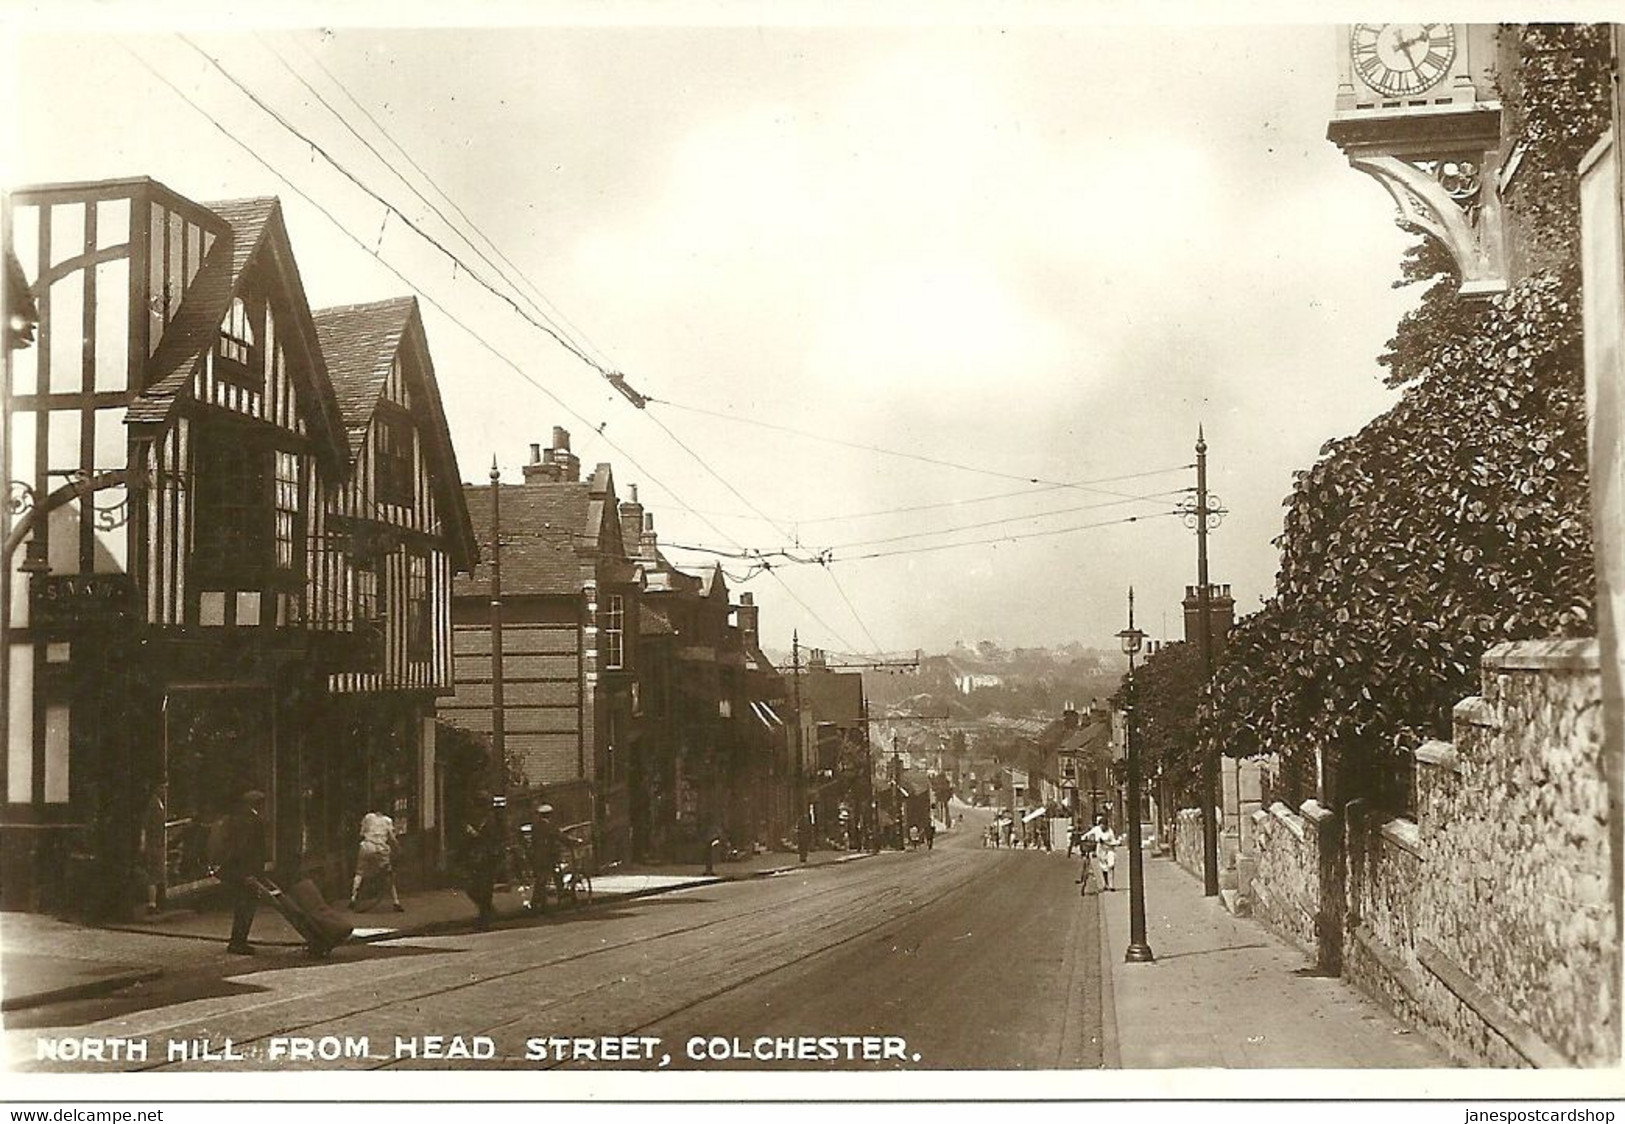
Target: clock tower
[{"x": 1417, "y": 109}]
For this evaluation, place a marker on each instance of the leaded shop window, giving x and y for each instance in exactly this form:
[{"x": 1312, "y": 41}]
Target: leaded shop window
[
  {"x": 394, "y": 472},
  {"x": 366, "y": 590},
  {"x": 231, "y": 512},
  {"x": 614, "y": 632},
  {"x": 419, "y": 632},
  {"x": 287, "y": 509}
]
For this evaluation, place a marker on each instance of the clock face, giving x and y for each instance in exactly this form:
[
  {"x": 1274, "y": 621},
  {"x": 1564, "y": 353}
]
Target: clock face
[{"x": 1402, "y": 59}]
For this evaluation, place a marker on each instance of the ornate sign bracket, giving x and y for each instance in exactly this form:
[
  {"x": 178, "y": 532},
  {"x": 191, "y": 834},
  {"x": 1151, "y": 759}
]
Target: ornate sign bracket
[
  {"x": 1440, "y": 167},
  {"x": 1453, "y": 200},
  {"x": 23, "y": 503}
]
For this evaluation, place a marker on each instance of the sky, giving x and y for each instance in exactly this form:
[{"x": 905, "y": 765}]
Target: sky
[{"x": 1039, "y": 251}]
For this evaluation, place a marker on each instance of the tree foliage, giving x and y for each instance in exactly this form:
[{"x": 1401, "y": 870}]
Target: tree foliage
[
  {"x": 1166, "y": 688},
  {"x": 1457, "y": 519}
]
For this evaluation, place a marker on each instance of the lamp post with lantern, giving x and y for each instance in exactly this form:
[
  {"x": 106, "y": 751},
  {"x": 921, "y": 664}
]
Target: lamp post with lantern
[{"x": 1138, "y": 950}]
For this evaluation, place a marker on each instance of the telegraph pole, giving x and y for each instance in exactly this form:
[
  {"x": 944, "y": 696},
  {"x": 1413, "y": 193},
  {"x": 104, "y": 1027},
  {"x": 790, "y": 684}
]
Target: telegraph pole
[
  {"x": 1210, "y": 762},
  {"x": 803, "y": 828},
  {"x": 498, "y": 744},
  {"x": 897, "y": 792}
]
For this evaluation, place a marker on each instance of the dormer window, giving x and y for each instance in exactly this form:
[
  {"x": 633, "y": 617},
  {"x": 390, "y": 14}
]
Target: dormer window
[{"x": 238, "y": 350}]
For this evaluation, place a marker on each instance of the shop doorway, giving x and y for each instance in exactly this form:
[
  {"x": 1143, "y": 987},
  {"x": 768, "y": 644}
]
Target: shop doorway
[{"x": 217, "y": 742}]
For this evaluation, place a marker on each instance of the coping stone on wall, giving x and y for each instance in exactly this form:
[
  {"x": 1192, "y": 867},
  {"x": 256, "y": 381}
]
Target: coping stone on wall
[
  {"x": 1286, "y": 815},
  {"x": 1404, "y": 834},
  {"x": 1440, "y": 755},
  {"x": 1496, "y": 1015},
  {"x": 1544, "y": 655},
  {"x": 1313, "y": 810},
  {"x": 1475, "y": 711}
]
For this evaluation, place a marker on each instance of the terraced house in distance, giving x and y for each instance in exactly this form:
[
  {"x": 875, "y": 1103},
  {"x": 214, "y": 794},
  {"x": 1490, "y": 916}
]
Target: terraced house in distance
[{"x": 228, "y": 560}]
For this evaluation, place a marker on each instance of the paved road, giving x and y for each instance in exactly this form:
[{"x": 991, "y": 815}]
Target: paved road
[{"x": 973, "y": 958}]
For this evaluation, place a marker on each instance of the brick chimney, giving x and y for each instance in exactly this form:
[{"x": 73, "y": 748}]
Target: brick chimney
[
  {"x": 631, "y": 523},
  {"x": 551, "y": 466},
  {"x": 748, "y": 614},
  {"x": 648, "y": 541},
  {"x": 539, "y": 471},
  {"x": 1222, "y": 610}
]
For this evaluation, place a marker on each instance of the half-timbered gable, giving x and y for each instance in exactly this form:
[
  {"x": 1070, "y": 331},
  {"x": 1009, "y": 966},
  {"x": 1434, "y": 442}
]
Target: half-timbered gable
[
  {"x": 397, "y": 519},
  {"x": 237, "y": 429},
  {"x": 189, "y": 507}
]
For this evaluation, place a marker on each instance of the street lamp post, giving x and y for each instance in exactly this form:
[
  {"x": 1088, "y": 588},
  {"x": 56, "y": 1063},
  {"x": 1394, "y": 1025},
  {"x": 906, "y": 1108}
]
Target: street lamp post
[{"x": 1138, "y": 950}]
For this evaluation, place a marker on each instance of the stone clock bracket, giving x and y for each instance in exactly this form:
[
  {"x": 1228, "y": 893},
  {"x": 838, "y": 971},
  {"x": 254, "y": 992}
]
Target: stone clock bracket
[{"x": 1441, "y": 171}]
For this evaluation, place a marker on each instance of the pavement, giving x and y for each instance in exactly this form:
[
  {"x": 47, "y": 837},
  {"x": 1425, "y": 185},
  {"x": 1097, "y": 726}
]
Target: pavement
[
  {"x": 44, "y": 960},
  {"x": 1222, "y": 991},
  {"x": 1225, "y": 992}
]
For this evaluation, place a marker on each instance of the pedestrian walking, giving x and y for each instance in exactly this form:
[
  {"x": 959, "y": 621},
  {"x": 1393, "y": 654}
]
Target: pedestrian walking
[
  {"x": 481, "y": 849},
  {"x": 1103, "y": 842},
  {"x": 237, "y": 853},
  {"x": 375, "y": 860},
  {"x": 155, "y": 845},
  {"x": 930, "y": 834}
]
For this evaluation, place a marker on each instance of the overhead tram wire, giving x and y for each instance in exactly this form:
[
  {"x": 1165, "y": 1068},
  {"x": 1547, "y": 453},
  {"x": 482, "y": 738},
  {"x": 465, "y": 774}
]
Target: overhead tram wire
[
  {"x": 829, "y": 557},
  {"x": 1148, "y": 497},
  {"x": 246, "y": 147},
  {"x": 771, "y": 522},
  {"x": 853, "y": 609},
  {"x": 832, "y": 560},
  {"x": 1024, "y": 492},
  {"x": 938, "y": 461},
  {"x": 553, "y": 331},
  {"x": 489, "y": 241},
  {"x": 451, "y": 316},
  {"x": 552, "y": 312}
]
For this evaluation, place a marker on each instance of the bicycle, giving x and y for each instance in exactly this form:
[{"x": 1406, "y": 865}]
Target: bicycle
[{"x": 569, "y": 878}]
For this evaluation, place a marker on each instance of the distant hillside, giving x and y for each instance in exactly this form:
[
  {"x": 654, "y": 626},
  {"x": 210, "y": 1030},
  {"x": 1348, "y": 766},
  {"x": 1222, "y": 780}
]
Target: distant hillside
[{"x": 973, "y": 682}]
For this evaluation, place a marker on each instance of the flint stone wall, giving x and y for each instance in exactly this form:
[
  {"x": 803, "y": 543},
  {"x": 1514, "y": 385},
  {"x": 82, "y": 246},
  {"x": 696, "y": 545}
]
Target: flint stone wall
[
  {"x": 1490, "y": 921},
  {"x": 1286, "y": 887},
  {"x": 1188, "y": 840}
]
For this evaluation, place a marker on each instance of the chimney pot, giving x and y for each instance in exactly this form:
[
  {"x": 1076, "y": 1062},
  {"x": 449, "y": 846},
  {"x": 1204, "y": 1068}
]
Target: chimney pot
[
  {"x": 535, "y": 453},
  {"x": 561, "y": 438},
  {"x": 633, "y": 488}
]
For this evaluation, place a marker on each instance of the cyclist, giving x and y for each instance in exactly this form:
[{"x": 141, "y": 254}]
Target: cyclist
[{"x": 546, "y": 849}]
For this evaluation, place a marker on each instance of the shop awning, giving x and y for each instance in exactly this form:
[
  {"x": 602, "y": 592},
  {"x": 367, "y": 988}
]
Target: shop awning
[{"x": 1033, "y": 815}]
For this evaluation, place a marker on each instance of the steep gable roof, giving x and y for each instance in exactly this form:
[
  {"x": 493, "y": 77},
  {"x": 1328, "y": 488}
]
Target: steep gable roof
[
  {"x": 256, "y": 232},
  {"x": 360, "y": 343}
]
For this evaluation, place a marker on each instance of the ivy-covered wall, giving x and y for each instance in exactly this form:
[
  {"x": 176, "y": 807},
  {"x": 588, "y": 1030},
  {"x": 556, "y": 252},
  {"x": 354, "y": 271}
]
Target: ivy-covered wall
[{"x": 1459, "y": 519}]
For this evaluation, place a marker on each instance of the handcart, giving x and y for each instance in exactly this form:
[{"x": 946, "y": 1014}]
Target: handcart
[{"x": 322, "y": 927}]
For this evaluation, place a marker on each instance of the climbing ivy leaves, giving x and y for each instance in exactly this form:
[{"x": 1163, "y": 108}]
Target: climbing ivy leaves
[{"x": 1459, "y": 518}]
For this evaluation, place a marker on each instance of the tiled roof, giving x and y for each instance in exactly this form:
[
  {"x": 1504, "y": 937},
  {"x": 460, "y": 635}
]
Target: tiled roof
[
  {"x": 542, "y": 525},
  {"x": 833, "y": 696},
  {"x": 359, "y": 342}
]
